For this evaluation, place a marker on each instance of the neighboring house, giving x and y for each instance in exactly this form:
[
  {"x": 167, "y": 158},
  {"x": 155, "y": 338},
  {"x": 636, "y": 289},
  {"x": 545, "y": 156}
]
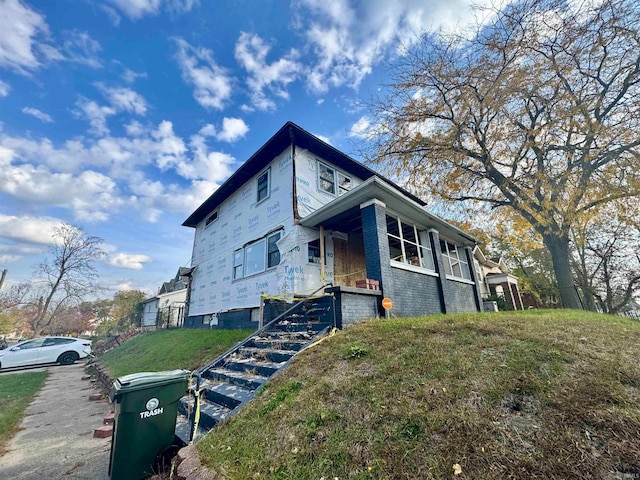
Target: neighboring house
[
  {"x": 300, "y": 213},
  {"x": 168, "y": 307},
  {"x": 497, "y": 281}
]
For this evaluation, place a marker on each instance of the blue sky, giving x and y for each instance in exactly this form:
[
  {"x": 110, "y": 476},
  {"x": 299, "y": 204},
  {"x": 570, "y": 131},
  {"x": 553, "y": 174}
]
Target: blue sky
[{"x": 122, "y": 116}]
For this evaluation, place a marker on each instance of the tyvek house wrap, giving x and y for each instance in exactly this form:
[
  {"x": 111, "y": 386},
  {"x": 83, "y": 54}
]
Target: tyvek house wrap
[{"x": 242, "y": 220}]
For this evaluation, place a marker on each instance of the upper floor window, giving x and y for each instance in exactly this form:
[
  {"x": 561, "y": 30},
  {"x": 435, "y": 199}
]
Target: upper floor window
[
  {"x": 409, "y": 245},
  {"x": 455, "y": 260},
  {"x": 212, "y": 218},
  {"x": 257, "y": 256},
  {"x": 264, "y": 189},
  {"x": 331, "y": 181}
]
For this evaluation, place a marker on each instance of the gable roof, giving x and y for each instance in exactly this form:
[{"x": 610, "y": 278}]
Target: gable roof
[{"x": 288, "y": 134}]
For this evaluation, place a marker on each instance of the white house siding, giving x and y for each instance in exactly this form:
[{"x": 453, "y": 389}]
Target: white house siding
[
  {"x": 174, "y": 300},
  {"x": 240, "y": 220}
]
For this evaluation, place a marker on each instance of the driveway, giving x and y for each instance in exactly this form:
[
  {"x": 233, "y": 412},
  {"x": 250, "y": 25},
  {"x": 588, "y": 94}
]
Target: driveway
[{"x": 55, "y": 440}]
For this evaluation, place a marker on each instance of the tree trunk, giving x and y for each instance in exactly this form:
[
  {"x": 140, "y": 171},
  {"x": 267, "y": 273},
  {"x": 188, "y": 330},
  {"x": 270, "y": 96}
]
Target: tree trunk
[{"x": 558, "y": 247}]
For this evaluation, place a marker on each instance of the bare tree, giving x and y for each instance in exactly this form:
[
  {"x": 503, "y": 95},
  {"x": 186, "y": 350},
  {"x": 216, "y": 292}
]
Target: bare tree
[
  {"x": 65, "y": 279},
  {"x": 537, "y": 110}
]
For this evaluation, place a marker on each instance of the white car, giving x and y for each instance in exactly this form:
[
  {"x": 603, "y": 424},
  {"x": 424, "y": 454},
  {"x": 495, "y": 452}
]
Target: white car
[{"x": 62, "y": 350}]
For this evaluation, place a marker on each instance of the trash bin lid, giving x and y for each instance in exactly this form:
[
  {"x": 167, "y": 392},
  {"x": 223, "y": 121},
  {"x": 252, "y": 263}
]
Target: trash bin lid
[{"x": 143, "y": 380}]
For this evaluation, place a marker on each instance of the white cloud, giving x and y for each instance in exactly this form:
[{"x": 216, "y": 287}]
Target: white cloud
[
  {"x": 4, "y": 259},
  {"x": 124, "y": 99},
  {"x": 4, "y": 89},
  {"x": 212, "y": 84},
  {"x": 232, "y": 129},
  {"x": 134, "y": 129},
  {"x": 34, "y": 112},
  {"x": 348, "y": 38},
  {"x": 80, "y": 48},
  {"x": 251, "y": 51},
  {"x": 129, "y": 76},
  {"x": 96, "y": 114},
  {"x": 22, "y": 38},
  {"x": 135, "y": 9},
  {"x": 131, "y": 261},
  {"x": 360, "y": 129},
  {"x": 37, "y": 230}
]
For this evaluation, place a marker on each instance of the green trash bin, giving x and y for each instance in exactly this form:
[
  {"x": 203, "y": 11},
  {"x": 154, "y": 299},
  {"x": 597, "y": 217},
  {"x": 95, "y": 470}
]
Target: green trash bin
[{"x": 146, "y": 406}]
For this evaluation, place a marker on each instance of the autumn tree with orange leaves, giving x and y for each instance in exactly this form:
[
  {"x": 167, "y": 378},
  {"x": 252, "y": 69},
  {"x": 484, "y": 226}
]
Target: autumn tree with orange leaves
[{"x": 537, "y": 110}]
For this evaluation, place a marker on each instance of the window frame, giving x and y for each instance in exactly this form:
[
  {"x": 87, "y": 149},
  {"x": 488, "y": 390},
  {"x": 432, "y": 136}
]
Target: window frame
[
  {"x": 240, "y": 259},
  {"x": 267, "y": 172},
  {"x": 341, "y": 190},
  {"x": 453, "y": 260},
  {"x": 333, "y": 180},
  {"x": 422, "y": 245},
  {"x": 338, "y": 177},
  {"x": 210, "y": 218}
]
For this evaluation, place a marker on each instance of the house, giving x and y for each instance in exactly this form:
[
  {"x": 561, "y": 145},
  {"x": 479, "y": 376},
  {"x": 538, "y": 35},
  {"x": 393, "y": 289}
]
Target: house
[
  {"x": 496, "y": 281},
  {"x": 299, "y": 214},
  {"x": 167, "y": 308}
]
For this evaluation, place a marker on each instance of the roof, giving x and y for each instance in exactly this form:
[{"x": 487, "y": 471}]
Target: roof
[{"x": 288, "y": 134}]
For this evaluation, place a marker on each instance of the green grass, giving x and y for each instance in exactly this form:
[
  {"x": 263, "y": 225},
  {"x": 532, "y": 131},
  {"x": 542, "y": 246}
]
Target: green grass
[
  {"x": 170, "y": 349},
  {"x": 539, "y": 394},
  {"x": 16, "y": 391}
]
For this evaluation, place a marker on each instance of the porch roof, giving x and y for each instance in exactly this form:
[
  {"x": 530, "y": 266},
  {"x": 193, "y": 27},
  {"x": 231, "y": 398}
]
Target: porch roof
[{"x": 344, "y": 209}]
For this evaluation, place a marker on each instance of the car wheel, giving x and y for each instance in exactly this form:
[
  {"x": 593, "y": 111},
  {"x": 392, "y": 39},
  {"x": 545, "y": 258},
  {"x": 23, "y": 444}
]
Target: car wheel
[{"x": 67, "y": 358}]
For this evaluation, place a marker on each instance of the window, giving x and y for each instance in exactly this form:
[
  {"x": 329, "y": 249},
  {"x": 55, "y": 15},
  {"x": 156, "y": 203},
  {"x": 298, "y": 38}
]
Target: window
[
  {"x": 254, "y": 258},
  {"x": 212, "y": 218},
  {"x": 273, "y": 254},
  {"x": 326, "y": 179},
  {"x": 408, "y": 245},
  {"x": 344, "y": 184},
  {"x": 37, "y": 343},
  {"x": 313, "y": 251},
  {"x": 257, "y": 256},
  {"x": 263, "y": 186},
  {"x": 455, "y": 261},
  {"x": 238, "y": 261}
]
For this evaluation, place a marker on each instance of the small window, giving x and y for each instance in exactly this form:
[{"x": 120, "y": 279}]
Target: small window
[
  {"x": 212, "y": 218},
  {"x": 454, "y": 259},
  {"x": 326, "y": 179},
  {"x": 263, "y": 186},
  {"x": 238, "y": 261},
  {"x": 273, "y": 254},
  {"x": 313, "y": 250},
  {"x": 344, "y": 184}
]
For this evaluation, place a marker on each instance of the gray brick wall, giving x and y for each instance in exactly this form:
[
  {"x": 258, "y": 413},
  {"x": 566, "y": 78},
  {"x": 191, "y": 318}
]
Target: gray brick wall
[
  {"x": 414, "y": 294},
  {"x": 462, "y": 297}
]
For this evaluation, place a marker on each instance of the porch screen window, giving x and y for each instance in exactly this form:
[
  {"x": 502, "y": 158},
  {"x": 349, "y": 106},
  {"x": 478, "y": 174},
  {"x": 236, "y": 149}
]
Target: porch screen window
[
  {"x": 257, "y": 256},
  {"x": 326, "y": 179},
  {"x": 263, "y": 186},
  {"x": 408, "y": 245},
  {"x": 455, "y": 262}
]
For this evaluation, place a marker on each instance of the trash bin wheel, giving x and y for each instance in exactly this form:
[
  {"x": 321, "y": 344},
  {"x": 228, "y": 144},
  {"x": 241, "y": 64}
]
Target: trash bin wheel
[{"x": 67, "y": 358}]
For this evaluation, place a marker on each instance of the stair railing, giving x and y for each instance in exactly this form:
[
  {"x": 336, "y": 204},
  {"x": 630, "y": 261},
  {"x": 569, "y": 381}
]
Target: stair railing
[{"x": 241, "y": 344}]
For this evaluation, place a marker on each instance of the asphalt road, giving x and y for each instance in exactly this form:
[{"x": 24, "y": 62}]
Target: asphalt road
[{"x": 55, "y": 440}]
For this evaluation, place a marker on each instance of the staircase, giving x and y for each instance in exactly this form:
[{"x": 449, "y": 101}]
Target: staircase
[{"x": 232, "y": 379}]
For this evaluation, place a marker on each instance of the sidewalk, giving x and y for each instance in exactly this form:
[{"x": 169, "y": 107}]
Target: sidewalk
[{"x": 56, "y": 437}]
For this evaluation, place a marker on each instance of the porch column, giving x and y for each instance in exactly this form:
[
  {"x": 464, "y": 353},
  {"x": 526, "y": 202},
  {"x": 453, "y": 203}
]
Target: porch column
[
  {"x": 376, "y": 244},
  {"x": 446, "y": 295},
  {"x": 474, "y": 277}
]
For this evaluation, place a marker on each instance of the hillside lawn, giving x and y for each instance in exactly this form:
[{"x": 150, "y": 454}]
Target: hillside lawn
[
  {"x": 535, "y": 394},
  {"x": 16, "y": 392},
  {"x": 169, "y": 350}
]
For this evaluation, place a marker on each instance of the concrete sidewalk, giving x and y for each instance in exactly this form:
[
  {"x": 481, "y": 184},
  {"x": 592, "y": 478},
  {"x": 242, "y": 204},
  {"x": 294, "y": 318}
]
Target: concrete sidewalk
[{"x": 56, "y": 437}]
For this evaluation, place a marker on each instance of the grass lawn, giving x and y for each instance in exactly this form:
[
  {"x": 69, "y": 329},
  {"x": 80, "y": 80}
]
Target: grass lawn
[
  {"x": 16, "y": 391},
  {"x": 170, "y": 349},
  {"x": 536, "y": 394}
]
